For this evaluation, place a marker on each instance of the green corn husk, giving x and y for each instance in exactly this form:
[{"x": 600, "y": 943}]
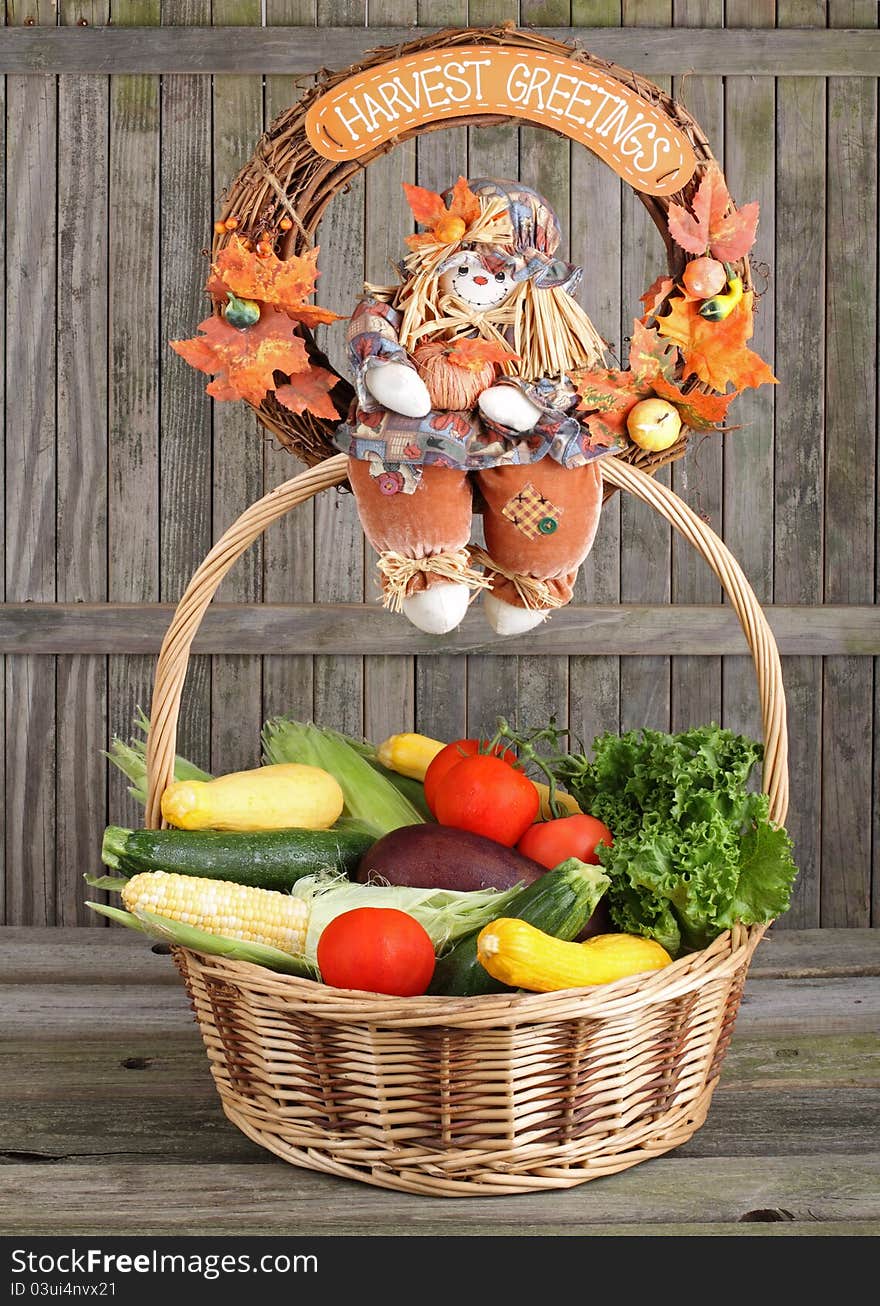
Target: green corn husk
[
  {"x": 414, "y": 790},
  {"x": 369, "y": 797},
  {"x": 131, "y": 759},
  {"x": 446, "y": 914},
  {"x": 215, "y": 945}
]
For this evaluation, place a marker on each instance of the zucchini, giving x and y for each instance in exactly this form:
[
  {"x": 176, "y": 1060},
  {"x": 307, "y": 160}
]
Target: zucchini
[
  {"x": 270, "y": 859},
  {"x": 560, "y": 903}
]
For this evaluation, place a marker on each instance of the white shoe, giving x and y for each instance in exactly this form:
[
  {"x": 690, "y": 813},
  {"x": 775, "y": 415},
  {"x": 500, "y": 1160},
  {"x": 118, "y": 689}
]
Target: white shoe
[
  {"x": 505, "y": 619},
  {"x": 439, "y": 609}
]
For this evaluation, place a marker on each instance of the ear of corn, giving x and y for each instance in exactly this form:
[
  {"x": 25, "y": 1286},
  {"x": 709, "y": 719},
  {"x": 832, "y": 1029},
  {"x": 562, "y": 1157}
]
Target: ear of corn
[
  {"x": 233, "y": 911},
  {"x": 519, "y": 954},
  {"x": 187, "y": 936},
  {"x": 369, "y": 797},
  {"x": 290, "y": 924}
]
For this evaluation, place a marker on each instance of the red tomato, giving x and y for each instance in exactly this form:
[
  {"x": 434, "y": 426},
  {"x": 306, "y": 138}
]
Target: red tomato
[
  {"x": 450, "y": 756},
  {"x": 486, "y": 795},
  {"x": 550, "y": 842},
  {"x": 379, "y": 949}
]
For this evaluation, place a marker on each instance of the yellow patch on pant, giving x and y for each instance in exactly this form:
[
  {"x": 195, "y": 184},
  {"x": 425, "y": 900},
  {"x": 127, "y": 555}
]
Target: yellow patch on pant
[{"x": 532, "y": 513}]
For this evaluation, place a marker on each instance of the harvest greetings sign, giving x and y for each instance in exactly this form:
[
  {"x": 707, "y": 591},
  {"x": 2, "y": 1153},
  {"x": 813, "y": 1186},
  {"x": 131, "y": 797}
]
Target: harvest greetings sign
[{"x": 634, "y": 137}]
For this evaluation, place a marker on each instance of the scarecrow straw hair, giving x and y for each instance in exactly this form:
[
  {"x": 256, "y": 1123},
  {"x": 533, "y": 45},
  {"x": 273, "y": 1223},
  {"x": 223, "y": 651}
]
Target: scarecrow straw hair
[{"x": 548, "y": 329}]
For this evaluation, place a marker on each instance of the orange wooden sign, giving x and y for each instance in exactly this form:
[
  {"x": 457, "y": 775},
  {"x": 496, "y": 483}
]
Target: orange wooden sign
[{"x": 635, "y": 138}]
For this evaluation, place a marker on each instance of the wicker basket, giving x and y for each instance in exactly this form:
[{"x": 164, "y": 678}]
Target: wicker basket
[{"x": 454, "y": 1097}]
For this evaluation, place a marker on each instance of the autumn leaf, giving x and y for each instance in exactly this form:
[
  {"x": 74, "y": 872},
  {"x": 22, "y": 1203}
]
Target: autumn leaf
[
  {"x": 243, "y": 362},
  {"x": 427, "y": 205},
  {"x": 429, "y": 209},
  {"x": 608, "y": 395},
  {"x": 716, "y": 351},
  {"x": 715, "y": 226},
  {"x": 649, "y": 355},
  {"x": 699, "y": 411},
  {"x": 464, "y": 203},
  {"x": 473, "y": 354},
  {"x": 656, "y": 294},
  {"x": 311, "y": 390},
  {"x": 284, "y": 283}
]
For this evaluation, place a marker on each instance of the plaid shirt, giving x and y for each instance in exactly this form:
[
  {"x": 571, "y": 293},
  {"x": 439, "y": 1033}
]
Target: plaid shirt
[{"x": 398, "y": 447}]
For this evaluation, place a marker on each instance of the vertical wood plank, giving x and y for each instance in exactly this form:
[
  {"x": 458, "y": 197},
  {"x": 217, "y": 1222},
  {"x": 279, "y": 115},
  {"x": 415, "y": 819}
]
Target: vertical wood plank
[
  {"x": 645, "y": 558},
  {"x": 185, "y": 409},
  {"x": 800, "y": 412},
  {"x": 594, "y": 682},
  {"x": 441, "y": 681},
  {"x": 695, "y": 683},
  {"x": 31, "y": 127},
  {"x": 133, "y": 461},
  {"x": 492, "y": 683},
  {"x": 339, "y": 541},
  {"x": 389, "y": 682},
  {"x": 750, "y": 157},
  {"x": 81, "y": 800},
  {"x": 288, "y": 546},
  {"x": 542, "y": 682},
  {"x": 236, "y": 681},
  {"x": 3, "y": 661},
  {"x": 850, "y": 467}
]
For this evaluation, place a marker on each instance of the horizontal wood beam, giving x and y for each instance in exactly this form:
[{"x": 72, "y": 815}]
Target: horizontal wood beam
[
  {"x": 736, "y": 52},
  {"x": 86, "y": 628}
]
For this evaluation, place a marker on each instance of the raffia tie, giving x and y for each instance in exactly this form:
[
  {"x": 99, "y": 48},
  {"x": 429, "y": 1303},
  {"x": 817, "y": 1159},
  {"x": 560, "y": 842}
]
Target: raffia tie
[
  {"x": 453, "y": 566},
  {"x": 535, "y": 594}
]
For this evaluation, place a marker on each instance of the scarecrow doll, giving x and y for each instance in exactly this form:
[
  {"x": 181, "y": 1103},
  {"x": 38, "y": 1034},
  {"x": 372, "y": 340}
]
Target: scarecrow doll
[{"x": 462, "y": 400}]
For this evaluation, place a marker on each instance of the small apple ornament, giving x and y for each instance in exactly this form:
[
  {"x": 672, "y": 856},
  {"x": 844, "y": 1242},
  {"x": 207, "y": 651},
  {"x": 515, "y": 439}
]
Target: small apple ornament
[{"x": 653, "y": 424}]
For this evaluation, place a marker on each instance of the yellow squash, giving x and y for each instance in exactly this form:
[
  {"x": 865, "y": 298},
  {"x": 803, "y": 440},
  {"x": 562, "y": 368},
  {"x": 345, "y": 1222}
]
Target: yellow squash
[
  {"x": 268, "y": 798},
  {"x": 519, "y": 954},
  {"x": 412, "y": 754}
]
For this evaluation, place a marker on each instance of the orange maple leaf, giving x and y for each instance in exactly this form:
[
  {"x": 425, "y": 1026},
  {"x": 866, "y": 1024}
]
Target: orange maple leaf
[
  {"x": 284, "y": 283},
  {"x": 701, "y": 412},
  {"x": 429, "y": 209},
  {"x": 655, "y": 295},
  {"x": 427, "y": 205},
  {"x": 716, "y": 225},
  {"x": 472, "y": 354},
  {"x": 243, "y": 362},
  {"x": 716, "y": 351},
  {"x": 311, "y": 390}
]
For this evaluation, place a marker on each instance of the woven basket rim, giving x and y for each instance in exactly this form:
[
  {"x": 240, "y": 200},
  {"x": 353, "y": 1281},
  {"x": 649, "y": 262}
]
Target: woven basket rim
[{"x": 721, "y": 958}]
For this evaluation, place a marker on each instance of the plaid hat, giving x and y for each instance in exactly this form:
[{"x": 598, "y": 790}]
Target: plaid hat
[{"x": 536, "y": 235}]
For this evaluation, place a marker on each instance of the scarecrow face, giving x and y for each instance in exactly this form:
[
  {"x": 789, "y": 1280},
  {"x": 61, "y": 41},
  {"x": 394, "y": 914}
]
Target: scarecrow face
[{"x": 479, "y": 283}]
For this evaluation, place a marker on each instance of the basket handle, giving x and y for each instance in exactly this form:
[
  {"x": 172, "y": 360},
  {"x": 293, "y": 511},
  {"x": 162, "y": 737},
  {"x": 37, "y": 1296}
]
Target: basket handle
[{"x": 174, "y": 655}]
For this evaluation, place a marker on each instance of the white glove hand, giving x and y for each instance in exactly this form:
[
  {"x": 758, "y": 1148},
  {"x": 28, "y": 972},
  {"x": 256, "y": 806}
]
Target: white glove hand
[
  {"x": 400, "y": 388},
  {"x": 508, "y": 406}
]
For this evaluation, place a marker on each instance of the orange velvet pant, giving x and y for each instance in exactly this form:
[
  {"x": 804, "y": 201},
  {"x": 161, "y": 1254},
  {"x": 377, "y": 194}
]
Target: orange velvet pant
[{"x": 540, "y": 519}]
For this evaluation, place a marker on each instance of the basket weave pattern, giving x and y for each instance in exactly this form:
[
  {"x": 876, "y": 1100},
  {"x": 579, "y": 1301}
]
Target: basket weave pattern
[
  {"x": 498, "y": 1094},
  {"x": 457, "y": 1097}
]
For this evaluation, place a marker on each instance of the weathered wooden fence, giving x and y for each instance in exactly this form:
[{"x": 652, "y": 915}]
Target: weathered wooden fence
[{"x": 120, "y": 473}]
